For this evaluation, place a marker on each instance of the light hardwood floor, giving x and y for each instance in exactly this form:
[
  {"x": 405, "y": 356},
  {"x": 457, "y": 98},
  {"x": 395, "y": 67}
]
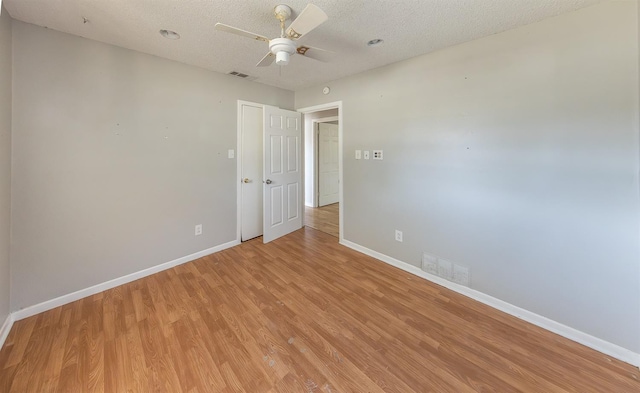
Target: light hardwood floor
[
  {"x": 325, "y": 218},
  {"x": 301, "y": 314}
]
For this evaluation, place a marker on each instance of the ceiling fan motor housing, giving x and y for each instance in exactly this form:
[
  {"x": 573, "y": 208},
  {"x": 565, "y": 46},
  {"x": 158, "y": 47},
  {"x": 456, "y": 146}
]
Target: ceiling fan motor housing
[{"x": 283, "y": 48}]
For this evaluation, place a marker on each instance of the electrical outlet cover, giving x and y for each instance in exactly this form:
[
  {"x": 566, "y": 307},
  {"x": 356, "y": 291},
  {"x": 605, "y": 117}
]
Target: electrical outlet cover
[
  {"x": 445, "y": 269},
  {"x": 430, "y": 264}
]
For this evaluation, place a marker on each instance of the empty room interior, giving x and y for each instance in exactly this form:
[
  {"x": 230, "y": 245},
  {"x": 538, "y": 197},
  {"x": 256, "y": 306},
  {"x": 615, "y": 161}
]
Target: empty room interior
[{"x": 335, "y": 196}]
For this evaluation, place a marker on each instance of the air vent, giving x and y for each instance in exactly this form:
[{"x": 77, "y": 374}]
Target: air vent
[{"x": 239, "y": 74}]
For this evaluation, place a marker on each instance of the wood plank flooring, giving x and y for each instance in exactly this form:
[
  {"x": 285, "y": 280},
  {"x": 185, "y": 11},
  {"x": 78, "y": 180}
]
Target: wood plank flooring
[
  {"x": 325, "y": 218},
  {"x": 301, "y": 314}
]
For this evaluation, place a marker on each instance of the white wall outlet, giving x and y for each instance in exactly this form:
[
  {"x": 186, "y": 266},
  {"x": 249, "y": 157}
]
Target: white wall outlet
[
  {"x": 430, "y": 263},
  {"x": 198, "y": 229},
  {"x": 460, "y": 275},
  {"x": 232, "y": 153},
  {"x": 445, "y": 269},
  {"x": 398, "y": 236},
  {"x": 366, "y": 154},
  {"x": 377, "y": 154},
  {"x": 358, "y": 154}
]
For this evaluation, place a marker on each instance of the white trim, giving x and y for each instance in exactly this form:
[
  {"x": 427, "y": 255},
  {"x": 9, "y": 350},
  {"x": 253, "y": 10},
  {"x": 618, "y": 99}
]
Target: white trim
[
  {"x": 588, "y": 340},
  {"x": 239, "y": 165},
  {"x": 323, "y": 107},
  {"x": 6, "y": 328},
  {"x": 314, "y": 156},
  {"x": 77, "y": 295}
]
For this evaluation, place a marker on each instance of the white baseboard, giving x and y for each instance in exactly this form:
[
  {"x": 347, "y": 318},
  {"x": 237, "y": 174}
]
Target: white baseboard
[
  {"x": 71, "y": 297},
  {"x": 6, "y": 328},
  {"x": 590, "y": 341}
]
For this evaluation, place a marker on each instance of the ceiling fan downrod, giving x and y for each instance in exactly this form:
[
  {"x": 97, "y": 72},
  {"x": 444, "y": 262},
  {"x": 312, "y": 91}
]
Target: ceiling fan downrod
[
  {"x": 282, "y": 47},
  {"x": 283, "y": 13}
]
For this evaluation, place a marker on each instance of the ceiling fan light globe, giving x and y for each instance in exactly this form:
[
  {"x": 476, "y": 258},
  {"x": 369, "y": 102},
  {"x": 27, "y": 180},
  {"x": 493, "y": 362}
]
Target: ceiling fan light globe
[{"x": 282, "y": 58}]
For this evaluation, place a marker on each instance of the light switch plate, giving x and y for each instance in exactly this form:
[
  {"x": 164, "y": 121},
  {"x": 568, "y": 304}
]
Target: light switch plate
[
  {"x": 358, "y": 154},
  {"x": 232, "y": 153},
  {"x": 377, "y": 154},
  {"x": 366, "y": 154}
]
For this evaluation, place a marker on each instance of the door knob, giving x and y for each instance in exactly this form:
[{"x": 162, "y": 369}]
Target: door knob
[
  {"x": 246, "y": 180},
  {"x": 268, "y": 181}
]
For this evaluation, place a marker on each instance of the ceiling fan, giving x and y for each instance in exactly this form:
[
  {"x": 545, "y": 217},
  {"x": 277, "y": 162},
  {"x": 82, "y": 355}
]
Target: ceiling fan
[{"x": 281, "y": 49}]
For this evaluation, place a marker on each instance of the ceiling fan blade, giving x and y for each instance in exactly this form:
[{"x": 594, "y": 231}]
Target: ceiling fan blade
[
  {"x": 266, "y": 60},
  {"x": 316, "y": 53},
  {"x": 244, "y": 33},
  {"x": 310, "y": 18}
]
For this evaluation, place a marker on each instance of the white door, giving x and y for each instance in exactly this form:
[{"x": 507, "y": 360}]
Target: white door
[
  {"x": 282, "y": 172},
  {"x": 328, "y": 165},
  {"x": 251, "y": 176}
]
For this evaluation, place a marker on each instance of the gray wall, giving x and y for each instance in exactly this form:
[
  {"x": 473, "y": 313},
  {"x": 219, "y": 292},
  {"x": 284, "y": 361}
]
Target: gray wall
[
  {"x": 117, "y": 156},
  {"x": 516, "y": 155},
  {"x": 5, "y": 162}
]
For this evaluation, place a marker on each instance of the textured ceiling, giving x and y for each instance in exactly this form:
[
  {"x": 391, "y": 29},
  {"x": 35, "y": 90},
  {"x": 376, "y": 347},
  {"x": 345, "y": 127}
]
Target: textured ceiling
[{"x": 408, "y": 27}]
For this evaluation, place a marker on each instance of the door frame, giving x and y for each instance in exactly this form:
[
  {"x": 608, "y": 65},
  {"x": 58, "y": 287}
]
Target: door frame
[
  {"x": 324, "y": 107},
  {"x": 315, "y": 145},
  {"x": 239, "y": 166}
]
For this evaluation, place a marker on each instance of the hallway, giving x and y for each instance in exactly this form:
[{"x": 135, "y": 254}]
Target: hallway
[{"x": 325, "y": 219}]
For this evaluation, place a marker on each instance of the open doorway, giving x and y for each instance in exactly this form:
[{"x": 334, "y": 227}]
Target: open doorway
[{"x": 323, "y": 168}]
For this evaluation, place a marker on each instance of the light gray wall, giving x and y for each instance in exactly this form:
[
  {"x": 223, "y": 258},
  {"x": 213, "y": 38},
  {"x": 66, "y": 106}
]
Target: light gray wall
[
  {"x": 117, "y": 156},
  {"x": 5, "y": 162},
  {"x": 516, "y": 155}
]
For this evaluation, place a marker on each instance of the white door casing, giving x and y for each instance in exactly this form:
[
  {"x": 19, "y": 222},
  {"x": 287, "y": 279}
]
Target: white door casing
[
  {"x": 251, "y": 170},
  {"x": 282, "y": 172},
  {"x": 328, "y": 165}
]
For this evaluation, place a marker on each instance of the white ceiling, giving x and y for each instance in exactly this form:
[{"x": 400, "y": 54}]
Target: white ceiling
[{"x": 408, "y": 27}]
